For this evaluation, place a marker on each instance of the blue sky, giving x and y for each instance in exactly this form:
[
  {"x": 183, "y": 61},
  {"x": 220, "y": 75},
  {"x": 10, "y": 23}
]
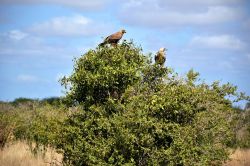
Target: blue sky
[{"x": 39, "y": 38}]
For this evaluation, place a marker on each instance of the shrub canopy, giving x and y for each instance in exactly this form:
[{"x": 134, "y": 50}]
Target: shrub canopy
[{"x": 134, "y": 112}]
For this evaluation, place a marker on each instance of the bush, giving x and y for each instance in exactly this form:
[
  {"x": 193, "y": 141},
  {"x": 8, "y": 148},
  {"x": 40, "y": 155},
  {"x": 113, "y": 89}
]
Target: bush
[
  {"x": 54, "y": 101},
  {"x": 23, "y": 100},
  {"x": 39, "y": 125},
  {"x": 241, "y": 129},
  {"x": 7, "y": 123},
  {"x": 136, "y": 113}
]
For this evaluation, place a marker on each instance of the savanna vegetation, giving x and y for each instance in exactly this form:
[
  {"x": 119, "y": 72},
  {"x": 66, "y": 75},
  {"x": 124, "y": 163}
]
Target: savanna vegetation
[{"x": 122, "y": 109}]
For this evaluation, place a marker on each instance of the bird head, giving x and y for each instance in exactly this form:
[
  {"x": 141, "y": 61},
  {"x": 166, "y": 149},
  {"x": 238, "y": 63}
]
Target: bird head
[
  {"x": 123, "y": 31},
  {"x": 162, "y": 49}
]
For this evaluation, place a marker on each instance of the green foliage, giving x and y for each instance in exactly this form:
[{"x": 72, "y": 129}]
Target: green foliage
[
  {"x": 39, "y": 125},
  {"x": 104, "y": 72},
  {"x": 136, "y": 113}
]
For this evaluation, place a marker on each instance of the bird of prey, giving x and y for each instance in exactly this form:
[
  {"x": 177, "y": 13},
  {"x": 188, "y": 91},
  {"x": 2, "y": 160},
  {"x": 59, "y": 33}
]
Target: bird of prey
[
  {"x": 113, "y": 39},
  {"x": 160, "y": 57}
]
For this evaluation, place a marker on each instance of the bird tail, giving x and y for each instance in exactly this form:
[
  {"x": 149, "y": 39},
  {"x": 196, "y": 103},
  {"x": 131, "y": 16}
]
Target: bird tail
[{"x": 102, "y": 44}]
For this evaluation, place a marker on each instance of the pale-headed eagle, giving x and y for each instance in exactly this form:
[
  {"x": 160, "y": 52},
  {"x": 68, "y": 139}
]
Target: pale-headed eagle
[
  {"x": 113, "y": 39},
  {"x": 160, "y": 57}
]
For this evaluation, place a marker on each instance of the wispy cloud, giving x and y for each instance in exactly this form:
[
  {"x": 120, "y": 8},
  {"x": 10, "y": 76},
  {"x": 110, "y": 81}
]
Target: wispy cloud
[
  {"x": 27, "y": 78},
  {"x": 81, "y": 4},
  {"x": 76, "y": 25},
  {"x": 188, "y": 3},
  {"x": 17, "y": 34},
  {"x": 35, "y": 54},
  {"x": 228, "y": 42},
  {"x": 168, "y": 13},
  {"x": 16, "y": 43}
]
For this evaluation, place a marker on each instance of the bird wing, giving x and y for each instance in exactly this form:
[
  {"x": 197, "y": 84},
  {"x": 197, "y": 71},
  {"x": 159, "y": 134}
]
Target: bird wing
[
  {"x": 157, "y": 57},
  {"x": 160, "y": 58},
  {"x": 114, "y": 36},
  {"x": 164, "y": 58}
]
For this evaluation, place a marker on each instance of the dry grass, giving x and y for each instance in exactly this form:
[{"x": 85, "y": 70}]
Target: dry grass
[
  {"x": 18, "y": 154},
  {"x": 240, "y": 157}
]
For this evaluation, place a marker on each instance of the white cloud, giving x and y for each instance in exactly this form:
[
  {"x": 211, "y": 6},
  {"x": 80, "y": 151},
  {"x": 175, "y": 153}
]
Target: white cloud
[
  {"x": 218, "y": 42},
  {"x": 159, "y": 13},
  {"x": 76, "y": 25},
  {"x": 19, "y": 43},
  {"x": 17, "y": 35},
  {"x": 33, "y": 47},
  {"x": 81, "y": 4},
  {"x": 27, "y": 78},
  {"x": 179, "y": 3},
  {"x": 199, "y": 2}
]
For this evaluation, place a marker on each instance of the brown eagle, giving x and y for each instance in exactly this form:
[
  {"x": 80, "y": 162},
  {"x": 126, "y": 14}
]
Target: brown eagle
[
  {"x": 113, "y": 39},
  {"x": 160, "y": 57}
]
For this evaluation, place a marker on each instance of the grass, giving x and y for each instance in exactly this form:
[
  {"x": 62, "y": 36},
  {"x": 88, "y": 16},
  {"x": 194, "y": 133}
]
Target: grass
[
  {"x": 18, "y": 154},
  {"x": 240, "y": 157}
]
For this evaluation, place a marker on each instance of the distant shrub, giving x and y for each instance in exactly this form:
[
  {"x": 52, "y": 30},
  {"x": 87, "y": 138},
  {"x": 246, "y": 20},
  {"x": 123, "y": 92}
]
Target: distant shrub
[
  {"x": 23, "y": 100},
  {"x": 241, "y": 129},
  {"x": 55, "y": 101},
  {"x": 39, "y": 125},
  {"x": 6, "y": 127}
]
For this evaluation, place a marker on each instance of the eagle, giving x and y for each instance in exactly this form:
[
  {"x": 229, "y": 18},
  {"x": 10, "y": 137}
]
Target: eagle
[
  {"x": 113, "y": 39},
  {"x": 160, "y": 57}
]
